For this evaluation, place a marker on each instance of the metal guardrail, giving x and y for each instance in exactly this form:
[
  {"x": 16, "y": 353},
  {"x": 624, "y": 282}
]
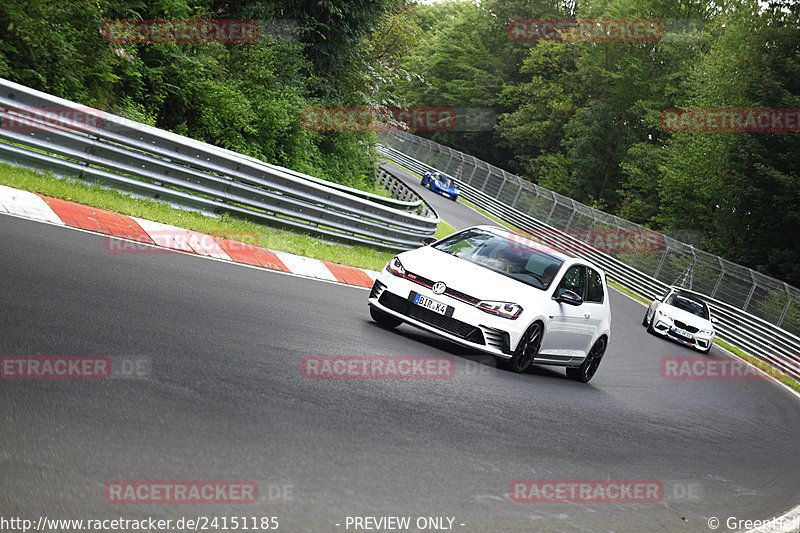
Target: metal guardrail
[
  {"x": 166, "y": 166},
  {"x": 756, "y": 336},
  {"x": 400, "y": 191}
]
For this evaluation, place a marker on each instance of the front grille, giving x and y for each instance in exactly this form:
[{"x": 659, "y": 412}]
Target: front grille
[
  {"x": 687, "y": 327},
  {"x": 461, "y": 296},
  {"x": 425, "y": 282},
  {"x": 445, "y": 323},
  {"x": 416, "y": 278}
]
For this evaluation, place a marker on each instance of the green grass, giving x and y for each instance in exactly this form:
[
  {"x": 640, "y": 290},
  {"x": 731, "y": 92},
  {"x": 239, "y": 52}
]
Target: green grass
[
  {"x": 225, "y": 226},
  {"x": 628, "y": 292},
  {"x": 773, "y": 372},
  {"x": 444, "y": 230}
]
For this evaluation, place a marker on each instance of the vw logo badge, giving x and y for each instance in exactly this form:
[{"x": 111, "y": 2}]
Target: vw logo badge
[{"x": 439, "y": 287}]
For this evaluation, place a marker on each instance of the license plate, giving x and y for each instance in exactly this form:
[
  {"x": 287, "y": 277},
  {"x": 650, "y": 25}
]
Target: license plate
[
  {"x": 683, "y": 333},
  {"x": 431, "y": 304}
]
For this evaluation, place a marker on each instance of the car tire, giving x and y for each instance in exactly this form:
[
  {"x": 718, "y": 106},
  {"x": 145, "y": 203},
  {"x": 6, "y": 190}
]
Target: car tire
[
  {"x": 644, "y": 319},
  {"x": 588, "y": 368},
  {"x": 454, "y": 198},
  {"x": 705, "y": 352},
  {"x": 384, "y": 319},
  {"x": 650, "y": 329},
  {"x": 527, "y": 349}
]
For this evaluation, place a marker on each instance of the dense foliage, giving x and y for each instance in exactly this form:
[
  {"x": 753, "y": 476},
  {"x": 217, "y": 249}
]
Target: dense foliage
[
  {"x": 248, "y": 97},
  {"x": 582, "y": 118}
]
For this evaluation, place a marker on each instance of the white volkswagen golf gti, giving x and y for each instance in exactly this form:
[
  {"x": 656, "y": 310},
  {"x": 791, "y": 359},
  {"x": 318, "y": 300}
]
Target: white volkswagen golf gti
[{"x": 503, "y": 294}]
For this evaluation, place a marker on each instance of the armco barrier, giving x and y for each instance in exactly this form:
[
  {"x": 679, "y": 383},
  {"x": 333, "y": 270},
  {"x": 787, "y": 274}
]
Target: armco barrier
[
  {"x": 754, "y": 335},
  {"x": 163, "y": 165}
]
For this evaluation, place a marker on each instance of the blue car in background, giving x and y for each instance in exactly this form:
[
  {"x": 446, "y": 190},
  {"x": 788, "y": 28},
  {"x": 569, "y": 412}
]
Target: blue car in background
[{"x": 441, "y": 184}]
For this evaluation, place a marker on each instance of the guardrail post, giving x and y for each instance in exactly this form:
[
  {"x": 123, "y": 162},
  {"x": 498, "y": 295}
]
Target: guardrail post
[
  {"x": 785, "y": 309},
  {"x": 552, "y": 209},
  {"x": 502, "y": 186},
  {"x": 660, "y": 263},
  {"x": 719, "y": 278},
  {"x": 750, "y": 295},
  {"x": 474, "y": 168},
  {"x": 535, "y": 198},
  {"x": 485, "y": 181},
  {"x": 516, "y": 197},
  {"x": 571, "y": 216}
]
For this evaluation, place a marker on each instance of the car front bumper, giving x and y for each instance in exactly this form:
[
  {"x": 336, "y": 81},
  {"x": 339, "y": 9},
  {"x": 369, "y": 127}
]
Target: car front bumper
[
  {"x": 666, "y": 328},
  {"x": 444, "y": 192},
  {"x": 467, "y": 326}
]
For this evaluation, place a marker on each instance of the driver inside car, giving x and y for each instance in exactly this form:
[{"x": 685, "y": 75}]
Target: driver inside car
[{"x": 510, "y": 262}]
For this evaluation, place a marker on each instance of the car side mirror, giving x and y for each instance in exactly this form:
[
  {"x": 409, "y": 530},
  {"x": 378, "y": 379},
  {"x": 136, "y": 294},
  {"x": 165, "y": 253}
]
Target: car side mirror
[
  {"x": 569, "y": 298},
  {"x": 427, "y": 241},
  {"x": 714, "y": 321}
]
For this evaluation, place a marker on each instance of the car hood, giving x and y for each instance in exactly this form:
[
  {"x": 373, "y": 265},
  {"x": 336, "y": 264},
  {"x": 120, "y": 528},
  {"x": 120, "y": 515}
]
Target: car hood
[
  {"x": 470, "y": 278},
  {"x": 686, "y": 317}
]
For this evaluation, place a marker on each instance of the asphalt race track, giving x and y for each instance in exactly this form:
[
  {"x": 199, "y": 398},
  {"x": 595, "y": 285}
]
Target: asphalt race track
[{"x": 223, "y": 398}]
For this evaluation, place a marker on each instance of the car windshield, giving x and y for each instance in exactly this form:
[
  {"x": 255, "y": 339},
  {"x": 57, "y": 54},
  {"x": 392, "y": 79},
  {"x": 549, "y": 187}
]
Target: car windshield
[
  {"x": 687, "y": 304},
  {"x": 444, "y": 180},
  {"x": 516, "y": 258}
]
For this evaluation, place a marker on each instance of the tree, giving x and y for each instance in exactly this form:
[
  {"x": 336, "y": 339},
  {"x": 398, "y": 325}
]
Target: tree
[{"x": 743, "y": 189}]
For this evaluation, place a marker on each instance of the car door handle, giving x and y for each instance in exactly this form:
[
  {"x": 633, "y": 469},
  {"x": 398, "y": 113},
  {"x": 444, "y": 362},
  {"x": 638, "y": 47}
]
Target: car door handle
[{"x": 587, "y": 315}]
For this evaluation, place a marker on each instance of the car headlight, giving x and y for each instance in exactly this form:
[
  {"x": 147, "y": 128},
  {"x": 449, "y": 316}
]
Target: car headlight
[
  {"x": 706, "y": 332},
  {"x": 396, "y": 268},
  {"x": 664, "y": 315},
  {"x": 504, "y": 309}
]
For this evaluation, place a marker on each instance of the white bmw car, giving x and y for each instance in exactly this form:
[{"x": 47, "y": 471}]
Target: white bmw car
[
  {"x": 503, "y": 294},
  {"x": 682, "y": 317}
]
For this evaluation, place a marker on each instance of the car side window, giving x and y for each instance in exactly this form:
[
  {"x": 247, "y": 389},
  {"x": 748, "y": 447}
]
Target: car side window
[
  {"x": 594, "y": 289},
  {"x": 574, "y": 280}
]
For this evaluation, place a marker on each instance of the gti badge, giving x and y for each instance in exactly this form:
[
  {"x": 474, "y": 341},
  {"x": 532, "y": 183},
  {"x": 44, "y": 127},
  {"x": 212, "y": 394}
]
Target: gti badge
[{"x": 439, "y": 287}]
